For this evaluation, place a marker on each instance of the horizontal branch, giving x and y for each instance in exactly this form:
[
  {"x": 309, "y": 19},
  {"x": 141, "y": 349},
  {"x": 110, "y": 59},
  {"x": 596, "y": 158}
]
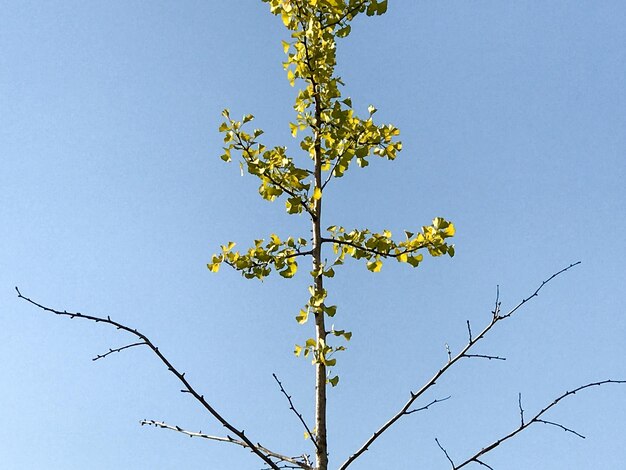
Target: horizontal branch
[
  {"x": 372, "y": 250},
  {"x": 281, "y": 458},
  {"x": 486, "y": 356},
  {"x": 496, "y": 317},
  {"x": 181, "y": 376}
]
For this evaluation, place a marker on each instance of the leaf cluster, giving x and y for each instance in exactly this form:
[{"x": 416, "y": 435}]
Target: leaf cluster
[
  {"x": 258, "y": 261},
  {"x": 363, "y": 244},
  {"x": 330, "y": 132}
]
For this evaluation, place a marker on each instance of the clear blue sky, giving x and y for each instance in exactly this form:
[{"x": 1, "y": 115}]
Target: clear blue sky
[{"x": 113, "y": 198}]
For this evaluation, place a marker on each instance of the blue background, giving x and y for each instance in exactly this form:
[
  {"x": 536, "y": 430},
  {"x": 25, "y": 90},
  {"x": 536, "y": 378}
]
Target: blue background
[{"x": 113, "y": 198}]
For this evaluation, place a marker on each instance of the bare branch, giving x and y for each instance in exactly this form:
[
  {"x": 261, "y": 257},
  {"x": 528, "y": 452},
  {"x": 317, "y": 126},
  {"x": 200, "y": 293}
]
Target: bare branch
[
  {"x": 181, "y": 376},
  {"x": 445, "y": 452},
  {"x": 486, "y": 356},
  {"x": 425, "y": 407},
  {"x": 560, "y": 426},
  {"x": 111, "y": 351},
  {"x": 496, "y": 317},
  {"x": 480, "y": 462},
  {"x": 534, "y": 294},
  {"x": 496, "y": 310},
  {"x": 280, "y": 458},
  {"x": 521, "y": 410},
  {"x": 293, "y": 408},
  {"x": 536, "y": 419}
]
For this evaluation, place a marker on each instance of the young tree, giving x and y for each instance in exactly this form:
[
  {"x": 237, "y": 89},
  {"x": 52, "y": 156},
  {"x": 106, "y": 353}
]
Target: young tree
[{"x": 332, "y": 136}]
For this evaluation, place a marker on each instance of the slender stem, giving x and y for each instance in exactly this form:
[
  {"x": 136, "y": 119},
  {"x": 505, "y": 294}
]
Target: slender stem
[
  {"x": 384, "y": 254},
  {"x": 320, "y": 328},
  {"x": 297, "y": 413},
  {"x": 321, "y": 454}
]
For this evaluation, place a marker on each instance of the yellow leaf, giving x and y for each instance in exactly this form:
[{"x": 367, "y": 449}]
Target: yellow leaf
[
  {"x": 317, "y": 194},
  {"x": 375, "y": 266}
]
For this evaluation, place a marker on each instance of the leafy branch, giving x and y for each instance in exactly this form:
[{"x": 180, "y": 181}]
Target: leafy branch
[{"x": 373, "y": 246}]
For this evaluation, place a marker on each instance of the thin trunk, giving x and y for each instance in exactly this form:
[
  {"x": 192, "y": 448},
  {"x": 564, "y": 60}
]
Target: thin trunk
[{"x": 320, "y": 328}]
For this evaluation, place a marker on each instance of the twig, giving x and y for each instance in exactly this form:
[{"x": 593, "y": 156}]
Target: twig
[
  {"x": 228, "y": 439},
  {"x": 560, "y": 426},
  {"x": 480, "y": 462},
  {"x": 181, "y": 376},
  {"x": 485, "y": 356},
  {"x": 425, "y": 407},
  {"x": 297, "y": 413},
  {"x": 496, "y": 317},
  {"x": 445, "y": 452},
  {"x": 536, "y": 293},
  {"x": 111, "y": 351}
]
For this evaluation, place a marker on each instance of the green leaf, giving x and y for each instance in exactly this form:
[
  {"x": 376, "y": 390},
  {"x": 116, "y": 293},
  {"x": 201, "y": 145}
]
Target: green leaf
[
  {"x": 330, "y": 310},
  {"x": 375, "y": 266},
  {"x": 303, "y": 316}
]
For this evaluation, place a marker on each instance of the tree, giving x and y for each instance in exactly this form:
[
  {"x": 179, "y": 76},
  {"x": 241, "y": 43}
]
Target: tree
[{"x": 334, "y": 137}]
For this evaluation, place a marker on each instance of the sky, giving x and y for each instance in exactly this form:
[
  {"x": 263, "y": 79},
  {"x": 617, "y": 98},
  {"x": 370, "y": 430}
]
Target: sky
[{"x": 113, "y": 199}]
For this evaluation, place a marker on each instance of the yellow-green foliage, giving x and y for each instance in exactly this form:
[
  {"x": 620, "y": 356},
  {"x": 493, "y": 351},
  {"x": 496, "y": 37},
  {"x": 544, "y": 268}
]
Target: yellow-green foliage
[{"x": 332, "y": 134}]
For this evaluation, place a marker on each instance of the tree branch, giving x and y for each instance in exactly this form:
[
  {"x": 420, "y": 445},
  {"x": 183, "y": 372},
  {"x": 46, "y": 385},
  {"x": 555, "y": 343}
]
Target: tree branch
[
  {"x": 535, "y": 419},
  {"x": 486, "y": 356},
  {"x": 425, "y": 407},
  {"x": 372, "y": 250},
  {"x": 496, "y": 317},
  {"x": 298, "y": 414},
  {"x": 344, "y": 16},
  {"x": 180, "y": 376},
  {"x": 280, "y": 458},
  {"x": 111, "y": 351}
]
